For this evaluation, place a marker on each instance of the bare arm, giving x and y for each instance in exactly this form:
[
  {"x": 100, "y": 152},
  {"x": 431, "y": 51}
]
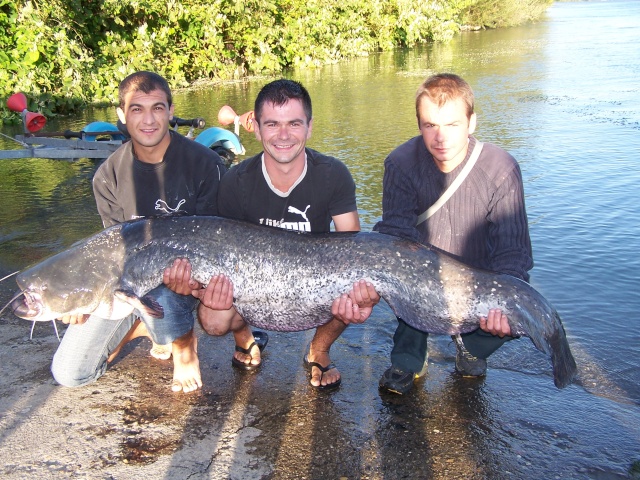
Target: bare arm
[{"x": 347, "y": 222}]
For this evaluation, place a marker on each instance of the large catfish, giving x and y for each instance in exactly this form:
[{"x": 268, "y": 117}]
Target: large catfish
[{"x": 284, "y": 280}]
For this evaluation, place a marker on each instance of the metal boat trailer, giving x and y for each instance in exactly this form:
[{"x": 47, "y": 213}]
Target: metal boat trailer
[{"x": 101, "y": 139}]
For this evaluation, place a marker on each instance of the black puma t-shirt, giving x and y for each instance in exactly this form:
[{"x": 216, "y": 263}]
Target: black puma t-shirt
[{"x": 326, "y": 189}]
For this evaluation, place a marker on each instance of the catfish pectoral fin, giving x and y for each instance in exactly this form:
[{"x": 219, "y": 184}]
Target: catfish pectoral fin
[{"x": 147, "y": 305}]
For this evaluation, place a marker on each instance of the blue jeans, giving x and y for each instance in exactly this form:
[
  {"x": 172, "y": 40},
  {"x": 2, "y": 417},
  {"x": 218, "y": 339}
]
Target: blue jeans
[
  {"x": 82, "y": 355},
  {"x": 410, "y": 346}
]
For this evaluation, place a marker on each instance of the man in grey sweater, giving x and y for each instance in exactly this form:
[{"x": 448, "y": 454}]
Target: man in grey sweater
[{"x": 483, "y": 223}]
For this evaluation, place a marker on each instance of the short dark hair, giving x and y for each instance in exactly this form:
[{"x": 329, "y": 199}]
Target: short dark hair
[
  {"x": 145, "y": 82},
  {"x": 443, "y": 87},
  {"x": 280, "y": 92}
]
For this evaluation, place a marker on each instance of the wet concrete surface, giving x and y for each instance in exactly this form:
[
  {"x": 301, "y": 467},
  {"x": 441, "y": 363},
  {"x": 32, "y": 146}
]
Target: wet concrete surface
[{"x": 273, "y": 425}]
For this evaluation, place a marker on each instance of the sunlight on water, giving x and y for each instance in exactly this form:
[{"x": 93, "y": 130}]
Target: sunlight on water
[{"x": 561, "y": 95}]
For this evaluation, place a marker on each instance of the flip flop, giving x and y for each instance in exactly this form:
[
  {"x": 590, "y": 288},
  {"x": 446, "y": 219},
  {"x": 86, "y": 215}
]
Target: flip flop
[
  {"x": 261, "y": 340},
  {"x": 330, "y": 386}
]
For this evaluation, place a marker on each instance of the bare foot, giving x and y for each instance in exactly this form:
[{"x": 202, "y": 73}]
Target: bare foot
[
  {"x": 317, "y": 378},
  {"x": 186, "y": 366},
  {"x": 161, "y": 352},
  {"x": 138, "y": 329}
]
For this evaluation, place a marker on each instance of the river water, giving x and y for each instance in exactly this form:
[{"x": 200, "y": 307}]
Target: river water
[{"x": 563, "y": 96}]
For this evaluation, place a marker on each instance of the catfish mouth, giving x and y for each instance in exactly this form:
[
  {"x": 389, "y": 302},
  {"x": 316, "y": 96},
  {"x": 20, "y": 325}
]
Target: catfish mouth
[{"x": 27, "y": 305}]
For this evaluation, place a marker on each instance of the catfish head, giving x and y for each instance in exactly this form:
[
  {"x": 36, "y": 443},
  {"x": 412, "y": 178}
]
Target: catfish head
[{"x": 80, "y": 280}]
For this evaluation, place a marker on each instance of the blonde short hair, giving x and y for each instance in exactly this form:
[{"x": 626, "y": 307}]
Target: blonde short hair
[{"x": 443, "y": 87}]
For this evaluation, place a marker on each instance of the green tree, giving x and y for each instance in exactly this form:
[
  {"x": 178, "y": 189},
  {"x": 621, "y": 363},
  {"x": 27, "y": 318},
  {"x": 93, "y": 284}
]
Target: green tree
[{"x": 65, "y": 54}]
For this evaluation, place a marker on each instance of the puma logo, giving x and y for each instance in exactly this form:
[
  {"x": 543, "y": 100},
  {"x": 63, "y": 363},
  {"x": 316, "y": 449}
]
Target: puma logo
[
  {"x": 164, "y": 206},
  {"x": 304, "y": 214}
]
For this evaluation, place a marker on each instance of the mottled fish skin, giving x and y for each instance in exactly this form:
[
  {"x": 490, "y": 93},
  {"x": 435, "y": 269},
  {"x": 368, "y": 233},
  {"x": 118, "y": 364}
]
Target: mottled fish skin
[{"x": 286, "y": 281}]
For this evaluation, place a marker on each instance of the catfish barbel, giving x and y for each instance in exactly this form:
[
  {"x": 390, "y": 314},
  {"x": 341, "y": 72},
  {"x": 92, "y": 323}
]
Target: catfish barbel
[{"x": 285, "y": 281}]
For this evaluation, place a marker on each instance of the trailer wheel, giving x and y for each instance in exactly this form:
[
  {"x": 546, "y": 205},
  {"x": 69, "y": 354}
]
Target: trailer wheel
[{"x": 227, "y": 156}]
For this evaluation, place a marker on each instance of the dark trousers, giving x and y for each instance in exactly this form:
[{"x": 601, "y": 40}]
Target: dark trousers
[{"x": 410, "y": 346}]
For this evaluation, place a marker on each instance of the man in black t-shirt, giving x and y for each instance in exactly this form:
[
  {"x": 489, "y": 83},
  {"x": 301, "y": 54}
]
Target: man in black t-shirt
[{"x": 286, "y": 186}]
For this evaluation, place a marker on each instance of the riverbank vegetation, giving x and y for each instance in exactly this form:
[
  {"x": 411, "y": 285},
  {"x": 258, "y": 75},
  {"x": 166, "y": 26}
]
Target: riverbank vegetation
[{"x": 65, "y": 54}]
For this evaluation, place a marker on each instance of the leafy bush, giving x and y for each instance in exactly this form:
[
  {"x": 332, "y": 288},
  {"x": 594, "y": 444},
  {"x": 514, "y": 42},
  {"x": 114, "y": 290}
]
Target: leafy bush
[{"x": 65, "y": 54}]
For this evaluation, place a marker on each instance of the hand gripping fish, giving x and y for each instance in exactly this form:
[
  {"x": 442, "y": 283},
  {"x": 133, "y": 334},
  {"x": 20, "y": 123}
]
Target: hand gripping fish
[{"x": 285, "y": 281}]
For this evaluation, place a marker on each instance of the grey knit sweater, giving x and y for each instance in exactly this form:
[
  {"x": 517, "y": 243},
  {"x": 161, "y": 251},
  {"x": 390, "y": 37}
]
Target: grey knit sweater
[{"x": 484, "y": 223}]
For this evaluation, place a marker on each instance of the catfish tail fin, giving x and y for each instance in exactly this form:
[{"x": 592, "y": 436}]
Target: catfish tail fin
[{"x": 564, "y": 365}]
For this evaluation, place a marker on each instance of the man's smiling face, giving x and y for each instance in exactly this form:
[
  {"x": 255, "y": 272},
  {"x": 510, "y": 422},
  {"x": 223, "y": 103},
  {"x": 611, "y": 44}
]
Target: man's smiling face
[
  {"x": 147, "y": 118},
  {"x": 283, "y": 131}
]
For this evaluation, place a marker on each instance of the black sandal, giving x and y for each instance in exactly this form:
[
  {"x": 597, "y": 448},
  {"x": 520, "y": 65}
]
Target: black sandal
[
  {"x": 330, "y": 386},
  {"x": 261, "y": 340}
]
